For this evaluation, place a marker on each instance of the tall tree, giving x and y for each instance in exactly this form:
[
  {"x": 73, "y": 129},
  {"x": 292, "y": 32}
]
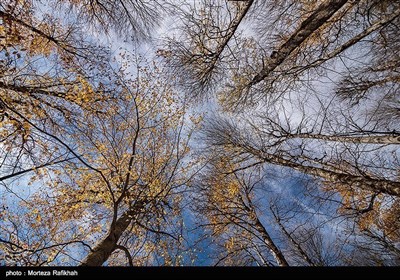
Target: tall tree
[
  {"x": 95, "y": 159},
  {"x": 251, "y": 222},
  {"x": 292, "y": 41},
  {"x": 336, "y": 171},
  {"x": 120, "y": 197},
  {"x": 310, "y": 86}
]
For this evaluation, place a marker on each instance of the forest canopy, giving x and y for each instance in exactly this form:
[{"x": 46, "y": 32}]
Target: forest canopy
[{"x": 199, "y": 132}]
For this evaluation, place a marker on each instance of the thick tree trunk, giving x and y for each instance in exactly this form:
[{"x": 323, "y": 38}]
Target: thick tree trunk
[
  {"x": 374, "y": 27},
  {"x": 325, "y": 11},
  {"x": 103, "y": 250}
]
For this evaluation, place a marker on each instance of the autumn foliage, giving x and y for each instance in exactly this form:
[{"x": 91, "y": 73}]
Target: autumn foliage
[{"x": 216, "y": 132}]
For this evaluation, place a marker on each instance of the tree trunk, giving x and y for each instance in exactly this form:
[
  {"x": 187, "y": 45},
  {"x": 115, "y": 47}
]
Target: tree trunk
[
  {"x": 294, "y": 242},
  {"x": 370, "y": 184},
  {"x": 103, "y": 250},
  {"x": 326, "y": 10},
  {"x": 374, "y": 27},
  {"x": 279, "y": 257},
  {"x": 232, "y": 29},
  {"x": 363, "y": 182},
  {"x": 387, "y": 139}
]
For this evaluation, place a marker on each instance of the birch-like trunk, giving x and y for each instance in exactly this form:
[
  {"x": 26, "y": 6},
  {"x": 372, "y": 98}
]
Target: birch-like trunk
[
  {"x": 275, "y": 251},
  {"x": 376, "y": 185},
  {"x": 385, "y": 139},
  {"x": 325, "y": 11},
  {"x": 363, "y": 182}
]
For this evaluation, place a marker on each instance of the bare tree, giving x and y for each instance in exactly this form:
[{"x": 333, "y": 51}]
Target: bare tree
[
  {"x": 295, "y": 42},
  {"x": 226, "y": 135},
  {"x": 204, "y": 42},
  {"x": 129, "y": 19}
]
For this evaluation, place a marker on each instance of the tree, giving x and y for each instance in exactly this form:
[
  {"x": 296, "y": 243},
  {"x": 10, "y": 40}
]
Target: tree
[
  {"x": 293, "y": 42},
  {"x": 226, "y": 135},
  {"x": 204, "y": 41},
  {"x": 130, "y": 19},
  {"x": 122, "y": 191},
  {"x": 95, "y": 160}
]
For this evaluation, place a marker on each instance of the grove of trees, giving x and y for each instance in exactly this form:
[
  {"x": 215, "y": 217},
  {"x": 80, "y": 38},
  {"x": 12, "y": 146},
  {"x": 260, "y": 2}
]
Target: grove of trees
[{"x": 199, "y": 132}]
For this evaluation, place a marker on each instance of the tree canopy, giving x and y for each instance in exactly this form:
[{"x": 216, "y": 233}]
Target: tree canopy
[{"x": 207, "y": 132}]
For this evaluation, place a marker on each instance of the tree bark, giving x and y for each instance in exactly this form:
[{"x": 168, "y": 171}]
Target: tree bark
[
  {"x": 103, "y": 250},
  {"x": 232, "y": 29},
  {"x": 370, "y": 184},
  {"x": 363, "y": 182},
  {"x": 325, "y": 11},
  {"x": 294, "y": 242},
  {"x": 374, "y": 27},
  {"x": 386, "y": 139},
  {"x": 275, "y": 251}
]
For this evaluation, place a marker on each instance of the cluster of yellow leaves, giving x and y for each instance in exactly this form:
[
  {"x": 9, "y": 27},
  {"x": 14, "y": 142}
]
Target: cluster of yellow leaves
[
  {"x": 390, "y": 221},
  {"x": 225, "y": 187},
  {"x": 18, "y": 31},
  {"x": 382, "y": 214},
  {"x": 12, "y": 130},
  {"x": 2, "y": 34},
  {"x": 9, "y": 36},
  {"x": 385, "y": 218},
  {"x": 28, "y": 42},
  {"x": 240, "y": 75},
  {"x": 223, "y": 195},
  {"x": 230, "y": 243},
  {"x": 39, "y": 45},
  {"x": 82, "y": 93},
  {"x": 61, "y": 219},
  {"x": 235, "y": 246}
]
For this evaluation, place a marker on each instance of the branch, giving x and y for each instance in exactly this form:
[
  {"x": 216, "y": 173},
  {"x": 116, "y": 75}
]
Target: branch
[
  {"x": 34, "y": 168},
  {"x": 353, "y": 41},
  {"x": 156, "y": 231},
  {"x": 68, "y": 148},
  {"x": 128, "y": 255},
  {"x": 45, "y": 248},
  {"x": 290, "y": 237},
  {"x": 59, "y": 44}
]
